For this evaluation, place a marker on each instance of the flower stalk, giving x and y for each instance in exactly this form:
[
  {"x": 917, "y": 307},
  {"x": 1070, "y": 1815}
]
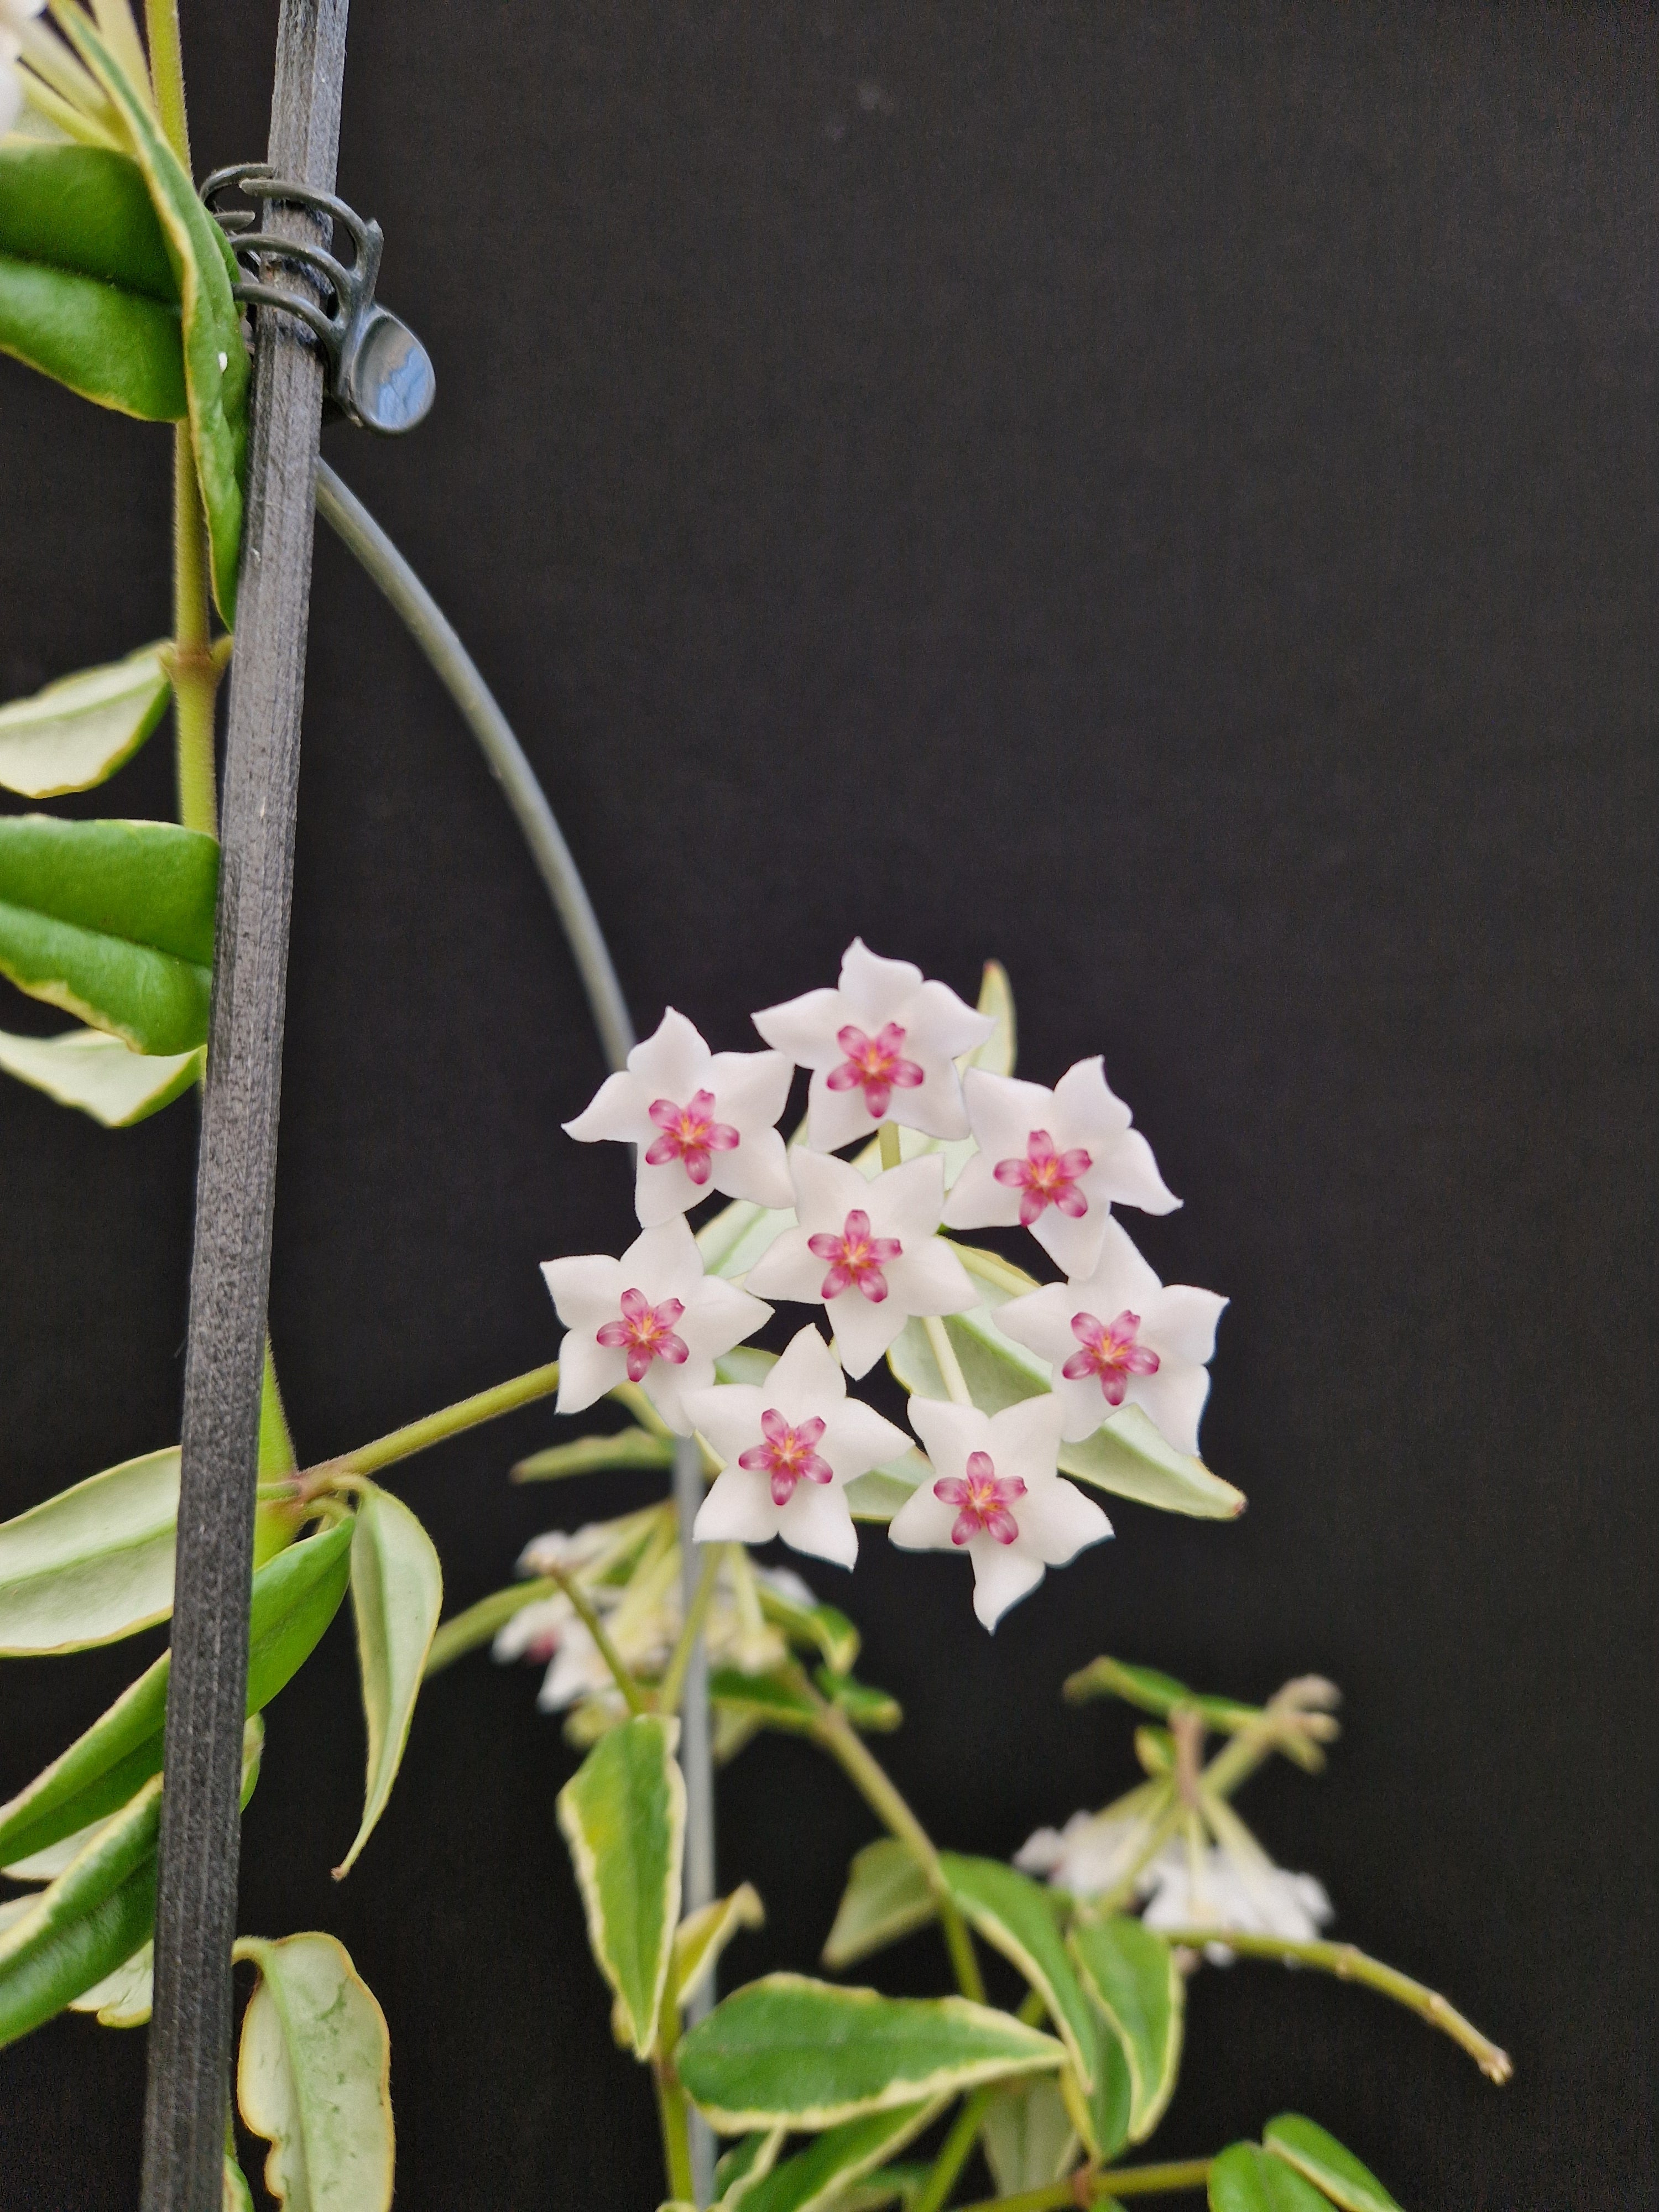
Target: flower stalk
[
  {"x": 1189, "y": 2173},
  {"x": 433, "y": 1428}
]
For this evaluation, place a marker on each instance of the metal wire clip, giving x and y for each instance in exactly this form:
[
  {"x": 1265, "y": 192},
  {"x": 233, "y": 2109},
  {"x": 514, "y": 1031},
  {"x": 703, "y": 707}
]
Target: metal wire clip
[{"x": 379, "y": 375}]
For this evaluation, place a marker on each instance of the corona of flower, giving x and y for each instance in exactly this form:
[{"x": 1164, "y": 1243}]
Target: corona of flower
[
  {"x": 652, "y": 1317},
  {"x": 791, "y": 1446},
  {"x": 702, "y": 1121},
  {"x": 997, "y": 1496},
  {"x": 1119, "y": 1336},
  {"x": 1054, "y": 1161},
  {"x": 866, "y": 1251},
  {"x": 883, "y": 1045}
]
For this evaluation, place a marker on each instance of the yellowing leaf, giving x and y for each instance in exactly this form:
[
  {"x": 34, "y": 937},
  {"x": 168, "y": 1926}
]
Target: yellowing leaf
[
  {"x": 313, "y": 2077},
  {"x": 397, "y": 1594}
]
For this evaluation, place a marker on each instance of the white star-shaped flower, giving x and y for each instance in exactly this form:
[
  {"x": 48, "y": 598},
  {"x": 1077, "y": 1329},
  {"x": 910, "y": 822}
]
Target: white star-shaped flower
[
  {"x": 1053, "y": 1161},
  {"x": 883, "y": 1045},
  {"x": 1092, "y": 1853},
  {"x": 791, "y": 1446},
  {"x": 1119, "y": 1336},
  {"x": 652, "y": 1317},
  {"x": 1228, "y": 1890},
  {"x": 866, "y": 1251},
  {"x": 702, "y": 1121},
  {"x": 997, "y": 1496}
]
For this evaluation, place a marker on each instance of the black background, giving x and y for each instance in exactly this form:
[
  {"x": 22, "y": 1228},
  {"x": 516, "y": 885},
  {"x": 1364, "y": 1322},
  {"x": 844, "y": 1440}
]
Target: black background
[{"x": 1165, "y": 495}]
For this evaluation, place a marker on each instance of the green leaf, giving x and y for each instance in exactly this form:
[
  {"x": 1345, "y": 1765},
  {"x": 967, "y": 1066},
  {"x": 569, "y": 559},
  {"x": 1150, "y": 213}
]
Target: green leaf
[
  {"x": 95, "y": 1563},
  {"x": 84, "y": 209},
  {"x": 819, "y": 2177},
  {"x": 886, "y": 1897},
  {"x": 397, "y": 1594},
  {"x": 122, "y": 1999},
  {"x": 1318, "y": 2156},
  {"x": 996, "y": 998},
  {"x": 789, "y": 2052},
  {"x": 237, "y": 2197},
  {"x": 1128, "y": 1457},
  {"x": 1019, "y": 1918},
  {"x": 875, "y": 1713},
  {"x": 295, "y": 1597},
  {"x": 1245, "y": 2179},
  {"x": 879, "y": 1495},
  {"x": 78, "y": 730},
  {"x": 216, "y": 360},
  {"x": 624, "y": 1816},
  {"x": 313, "y": 2077},
  {"x": 1131, "y": 1975},
  {"x": 100, "y": 1075},
  {"x": 756, "y": 2155},
  {"x": 1028, "y": 2137},
  {"x": 702, "y": 1936},
  {"x": 97, "y": 1913},
  {"x": 768, "y": 1700},
  {"x": 595, "y": 1455},
  {"x": 1106, "y": 2112},
  {"x": 822, "y": 1628},
  {"x": 112, "y": 921},
  {"x": 1156, "y": 1692}
]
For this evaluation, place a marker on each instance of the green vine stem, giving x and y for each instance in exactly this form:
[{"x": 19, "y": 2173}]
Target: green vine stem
[
  {"x": 419, "y": 1436},
  {"x": 1124, "y": 2181},
  {"x": 953, "y": 2153},
  {"x": 675, "y": 2135},
  {"x": 636, "y": 1698},
  {"x": 1351, "y": 1965},
  {"x": 166, "y": 69},
  {"x": 833, "y": 1732}
]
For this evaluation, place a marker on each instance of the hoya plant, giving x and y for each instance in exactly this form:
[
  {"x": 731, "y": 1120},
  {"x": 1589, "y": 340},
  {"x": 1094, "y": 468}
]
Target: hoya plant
[{"x": 1039, "y": 1374}]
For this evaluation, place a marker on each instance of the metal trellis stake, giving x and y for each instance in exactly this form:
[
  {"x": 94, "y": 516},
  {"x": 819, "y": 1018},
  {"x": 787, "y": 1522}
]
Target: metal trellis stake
[{"x": 196, "y": 1911}]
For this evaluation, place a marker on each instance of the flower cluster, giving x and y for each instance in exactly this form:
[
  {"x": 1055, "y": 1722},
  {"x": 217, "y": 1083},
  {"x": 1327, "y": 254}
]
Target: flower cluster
[{"x": 886, "y": 1050}]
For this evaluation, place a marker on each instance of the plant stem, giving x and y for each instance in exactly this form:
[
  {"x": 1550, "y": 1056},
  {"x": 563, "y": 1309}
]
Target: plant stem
[
  {"x": 1349, "y": 1964},
  {"x": 945, "y": 1353},
  {"x": 166, "y": 69},
  {"x": 1125, "y": 2181},
  {"x": 586, "y": 1614},
  {"x": 465, "y": 1631},
  {"x": 953, "y": 2155},
  {"x": 674, "y": 1682},
  {"x": 419, "y": 1436},
  {"x": 191, "y": 662},
  {"x": 675, "y": 2136},
  {"x": 835, "y": 1734}
]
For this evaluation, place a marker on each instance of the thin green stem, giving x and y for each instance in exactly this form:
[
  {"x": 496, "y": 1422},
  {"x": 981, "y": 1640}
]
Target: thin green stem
[
  {"x": 1351, "y": 1965},
  {"x": 675, "y": 2136},
  {"x": 587, "y": 1614},
  {"x": 950, "y": 1367},
  {"x": 834, "y": 1733},
  {"x": 954, "y": 2153},
  {"x": 673, "y": 1684},
  {"x": 421, "y": 1435},
  {"x": 1123, "y": 2181},
  {"x": 166, "y": 69},
  {"x": 631, "y": 1396},
  {"x": 191, "y": 663},
  {"x": 481, "y": 1623}
]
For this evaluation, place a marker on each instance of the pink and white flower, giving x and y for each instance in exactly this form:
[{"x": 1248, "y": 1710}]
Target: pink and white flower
[
  {"x": 1118, "y": 1337},
  {"x": 702, "y": 1121},
  {"x": 652, "y": 1317},
  {"x": 791, "y": 1446},
  {"x": 1054, "y": 1161},
  {"x": 998, "y": 1497},
  {"x": 867, "y": 1250},
  {"x": 883, "y": 1045}
]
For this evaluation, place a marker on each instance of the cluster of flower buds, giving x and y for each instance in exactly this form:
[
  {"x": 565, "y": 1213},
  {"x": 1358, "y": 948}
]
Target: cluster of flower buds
[{"x": 861, "y": 1238}]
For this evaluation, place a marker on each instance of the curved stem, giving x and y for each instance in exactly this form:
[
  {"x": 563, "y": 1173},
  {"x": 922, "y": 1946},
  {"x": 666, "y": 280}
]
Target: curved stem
[
  {"x": 358, "y": 531},
  {"x": 1125, "y": 2181},
  {"x": 944, "y": 1355},
  {"x": 419, "y": 1436},
  {"x": 633, "y": 1695},
  {"x": 166, "y": 71},
  {"x": 191, "y": 661},
  {"x": 953, "y": 2153},
  {"x": 1351, "y": 1965},
  {"x": 675, "y": 2136}
]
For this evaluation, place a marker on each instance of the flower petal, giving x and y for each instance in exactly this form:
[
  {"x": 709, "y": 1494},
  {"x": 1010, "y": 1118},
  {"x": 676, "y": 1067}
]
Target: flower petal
[
  {"x": 673, "y": 1061},
  {"x": 923, "y": 1522},
  {"x": 1182, "y": 1320},
  {"x": 585, "y": 1287},
  {"x": 949, "y": 1432},
  {"x": 1173, "y": 1399},
  {"x": 906, "y": 1201},
  {"x": 787, "y": 1270},
  {"x": 617, "y": 1111},
  {"x": 738, "y": 1509},
  {"x": 875, "y": 989},
  {"x": 857, "y": 1438},
  {"x": 929, "y": 1278},
  {"x": 1072, "y": 1241},
  {"x": 818, "y": 1520},
  {"x": 587, "y": 1371},
  {"x": 1003, "y": 1574},
  {"x": 757, "y": 1168},
  {"x": 727, "y": 1415},
  {"x": 1057, "y": 1522},
  {"x": 804, "y": 1028},
  {"x": 977, "y": 1200},
  {"x": 1132, "y": 1177},
  {"x": 941, "y": 1022},
  {"x": 863, "y": 1330}
]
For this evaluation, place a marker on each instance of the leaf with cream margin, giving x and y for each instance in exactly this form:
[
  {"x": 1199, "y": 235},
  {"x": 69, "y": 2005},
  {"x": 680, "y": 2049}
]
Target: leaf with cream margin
[
  {"x": 1018, "y": 1917},
  {"x": 1131, "y": 1975},
  {"x": 397, "y": 1596},
  {"x": 1243, "y": 2178},
  {"x": 1319, "y": 2158},
  {"x": 624, "y": 1816},
  {"x": 1028, "y": 2137},
  {"x": 789, "y": 2052},
  {"x": 122, "y": 1999},
  {"x": 95, "y": 1563},
  {"x": 1128, "y": 1457},
  {"x": 236, "y": 2196},
  {"x": 745, "y": 2162},
  {"x": 820, "y": 2177},
  {"x": 312, "y": 2077},
  {"x": 703, "y": 1935},
  {"x": 100, "y": 1075},
  {"x": 78, "y": 730},
  {"x": 887, "y": 1898}
]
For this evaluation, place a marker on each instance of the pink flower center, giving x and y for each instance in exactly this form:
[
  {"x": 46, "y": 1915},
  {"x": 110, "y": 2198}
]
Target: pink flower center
[
  {"x": 788, "y": 1455},
  {"x": 874, "y": 1065},
  {"x": 1110, "y": 1352},
  {"x": 982, "y": 1501},
  {"x": 645, "y": 1333},
  {"x": 1045, "y": 1177},
  {"x": 689, "y": 1134},
  {"x": 855, "y": 1257}
]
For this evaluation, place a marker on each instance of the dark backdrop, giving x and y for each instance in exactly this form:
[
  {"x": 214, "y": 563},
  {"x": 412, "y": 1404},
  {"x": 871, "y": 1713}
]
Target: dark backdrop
[{"x": 1165, "y": 495}]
